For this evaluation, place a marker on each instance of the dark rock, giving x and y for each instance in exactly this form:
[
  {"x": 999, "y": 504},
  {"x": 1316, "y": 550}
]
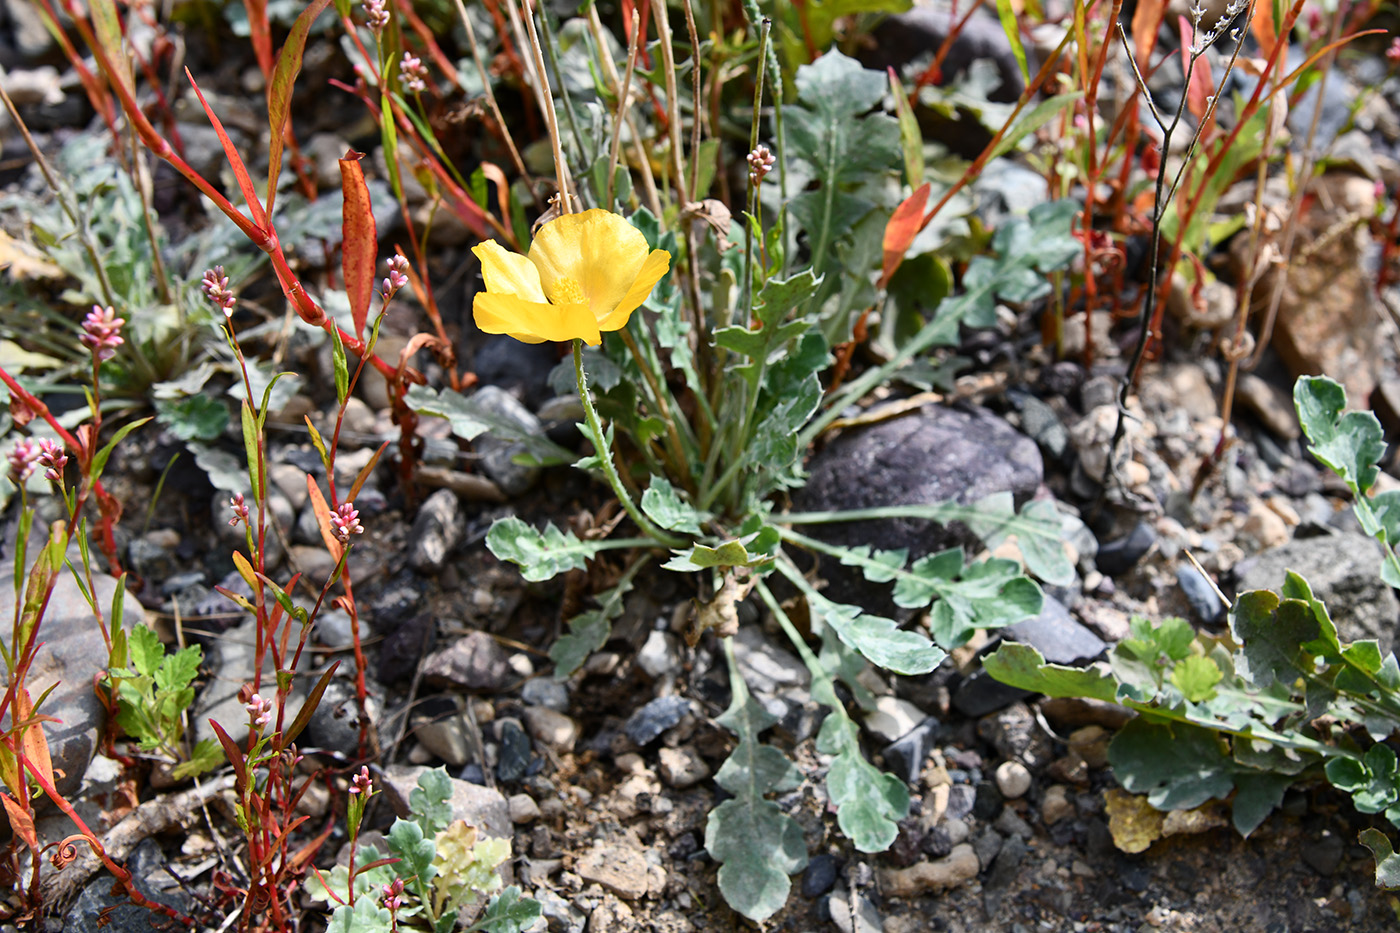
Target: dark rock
[
  {"x": 1344, "y": 572},
  {"x": 335, "y": 723},
  {"x": 981, "y": 693},
  {"x": 514, "y": 755},
  {"x": 437, "y": 529},
  {"x": 662, "y": 713},
  {"x": 1004, "y": 868},
  {"x": 1324, "y": 854},
  {"x": 905, "y": 756},
  {"x": 102, "y": 907},
  {"x": 1122, "y": 554},
  {"x": 937, "y": 842},
  {"x": 988, "y": 802},
  {"x": 398, "y": 599},
  {"x": 1205, "y": 604},
  {"x": 1015, "y": 734},
  {"x": 933, "y": 455},
  {"x": 404, "y": 647},
  {"x": 1135, "y": 876},
  {"x": 986, "y": 845},
  {"x": 1062, "y": 378},
  {"x": 820, "y": 875},
  {"x": 905, "y": 37},
  {"x": 473, "y": 662},
  {"x": 521, "y": 368}
]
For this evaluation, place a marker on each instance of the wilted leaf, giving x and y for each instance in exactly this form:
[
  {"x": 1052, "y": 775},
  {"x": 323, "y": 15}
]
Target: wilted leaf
[{"x": 1134, "y": 823}]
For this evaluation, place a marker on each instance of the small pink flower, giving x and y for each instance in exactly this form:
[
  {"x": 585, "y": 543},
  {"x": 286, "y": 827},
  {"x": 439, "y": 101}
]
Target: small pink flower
[
  {"x": 240, "y": 510},
  {"x": 360, "y": 783},
  {"x": 398, "y": 275},
  {"x": 393, "y": 895},
  {"x": 102, "y": 332},
  {"x": 415, "y": 76},
  {"x": 53, "y": 458},
  {"x": 761, "y": 162},
  {"x": 376, "y": 15},
  {"x": 214, "y": 284},
  {"x": 24, "y": 460},
  {"x": 345, "y": 521},
  {"x": 259, "y": 711},
  {"x": 1393, "y": 53}
]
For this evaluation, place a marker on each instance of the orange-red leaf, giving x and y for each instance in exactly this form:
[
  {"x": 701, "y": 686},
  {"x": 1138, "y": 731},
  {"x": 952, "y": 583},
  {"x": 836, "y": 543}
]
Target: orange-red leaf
[
  {"x": 900, "y": 232},
  {"x": 1147, "y": 20},
  {"x": 359, "y": 240},
  {"x": 32, "y": 744},
  {"x": 279, "y": 91},
  {"x": 1264, "y": 29},
  {"x": 235, "y": 161},
  {"x": 20, "y": 821},
  {"x": 323, "y": 518}
]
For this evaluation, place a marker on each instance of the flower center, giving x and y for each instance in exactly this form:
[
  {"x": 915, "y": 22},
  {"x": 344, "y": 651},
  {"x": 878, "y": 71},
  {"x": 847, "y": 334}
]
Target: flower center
[{"x": 565, "y": 291}]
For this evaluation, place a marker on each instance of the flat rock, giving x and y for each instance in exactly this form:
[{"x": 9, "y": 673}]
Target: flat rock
[
  {"x": 620, "y": 869},
  {"x": 552, "y": 728},
  {"x": 958, "y": 867}
]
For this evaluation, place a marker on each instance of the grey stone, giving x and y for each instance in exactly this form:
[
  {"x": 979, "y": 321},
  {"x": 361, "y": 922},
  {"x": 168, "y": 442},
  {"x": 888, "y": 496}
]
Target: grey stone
[
  {"x": 854, "y": 913},
  {"x": 1344, "y": 572},
  {"x": 27, "y": 33},
  {"x": 921, "y": 31},
  {"x": 1041, "y": 424},
  {"x": 682, "y": 767},
  {"x": 1015, "y": 734},
  {"x": 934, "y": 455},
  {"x": 479, "y": 806},
  {"x": 1056, "y": 634},
  {"x": 521, "y": 368},
  {"x": 332, "y": 628},
  {"x": 405, "y": 643},
  {"x": 646, "y": 724},
  {"x": 513, "y": 755},
  {"x": 498, "y": 454},
  {"x": 72, "y": 652},
  {"x": 473, "y": 662},
  {"x": 546, "y": 692},
  {"x": 621, "y": 869},
  {"x": 437, "y": 529},
  {"x": 659, "y": 655},
  {"x": 986, "y": 845},
  {"x": 445, "y": 737},
  {"x": 1204, "y": 601}
]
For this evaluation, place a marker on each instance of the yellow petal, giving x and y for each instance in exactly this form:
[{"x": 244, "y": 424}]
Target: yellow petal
[
  {"x": 657, "y": 264},
  {"x": 597, "y": 249},
  {"x": 534, "y": 321},
  {"x": 507, "y": 273}
]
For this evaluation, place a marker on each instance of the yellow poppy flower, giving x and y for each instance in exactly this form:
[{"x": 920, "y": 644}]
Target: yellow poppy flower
[{"x": 585, "y": 274}]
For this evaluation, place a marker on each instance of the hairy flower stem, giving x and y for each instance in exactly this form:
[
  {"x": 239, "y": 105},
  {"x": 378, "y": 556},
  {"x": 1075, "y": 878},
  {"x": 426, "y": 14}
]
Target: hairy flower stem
[{"x": 605, "y": 457}]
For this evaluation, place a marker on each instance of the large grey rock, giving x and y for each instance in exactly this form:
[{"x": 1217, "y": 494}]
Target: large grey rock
[
  {"x": 473, "y": 662},
  {"x": 73, "y": 651},
  {"x": 230, "y": 660},
  {"x": 936, "y": 454},
  {"x": 1343, "y": 571}
]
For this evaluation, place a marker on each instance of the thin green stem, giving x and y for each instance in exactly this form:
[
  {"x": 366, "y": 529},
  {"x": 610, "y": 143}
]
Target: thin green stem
[{"x": 605, "y": 457}]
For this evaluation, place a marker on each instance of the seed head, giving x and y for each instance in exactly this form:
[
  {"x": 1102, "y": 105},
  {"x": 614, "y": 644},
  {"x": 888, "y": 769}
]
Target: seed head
[
  {"x": 214, "y": 284},
  {"x": 761, "y": 162}
]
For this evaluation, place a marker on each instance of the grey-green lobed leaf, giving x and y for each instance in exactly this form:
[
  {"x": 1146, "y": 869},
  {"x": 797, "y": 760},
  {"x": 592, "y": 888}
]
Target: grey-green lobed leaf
[
  {"x": 879, "y": 639},
  {"x": 539, "y": 554},
  {"x": 588, "y": 631},
  {"x": 663, "y": 505},
  {"x": 869, "y": 803},
  {"x": 1177, "y": 765},
  {"x": 758, "y": 844},
  {"x": 1350, "y": 443}
]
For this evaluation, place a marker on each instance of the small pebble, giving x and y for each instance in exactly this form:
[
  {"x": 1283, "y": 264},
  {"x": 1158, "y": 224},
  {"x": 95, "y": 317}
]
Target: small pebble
[
  {"x": 1013, "y": 780},
  {"x": 523, "y": 808}
]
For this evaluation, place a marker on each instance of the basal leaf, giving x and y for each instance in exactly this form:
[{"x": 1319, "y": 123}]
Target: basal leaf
[
  {"x": 1272, "y": 634},
  {"x": 469, "y": 420},
  {"x": 1387, "y": 862},
  {"x": 663, "y": 505},
  {"x": 145, "y": 650},
  {"x": 1350, "y": 444},
  {"x": 588, "y": 631},
  {"x": 1257, "y": 794},
  {"x": 508, "y": 912},
  {"x": 1178, "y": 766},
  {"x": 430, "y": 801}
]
